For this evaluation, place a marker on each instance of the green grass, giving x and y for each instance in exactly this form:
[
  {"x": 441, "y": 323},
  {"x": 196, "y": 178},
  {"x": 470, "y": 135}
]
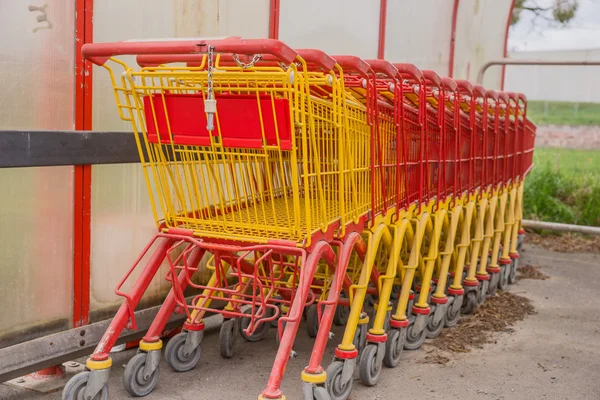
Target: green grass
[
  {"x": 564, "y": 186},
  {"x": 563, "y": 113}
]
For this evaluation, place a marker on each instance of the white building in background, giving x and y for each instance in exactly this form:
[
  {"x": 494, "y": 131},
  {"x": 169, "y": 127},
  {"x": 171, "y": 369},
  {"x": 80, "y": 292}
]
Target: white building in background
[{"x": 556, "y": 83}]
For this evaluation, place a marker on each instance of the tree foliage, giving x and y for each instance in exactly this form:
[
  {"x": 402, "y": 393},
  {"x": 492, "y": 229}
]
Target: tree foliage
[{"x": 550, "y": 11}]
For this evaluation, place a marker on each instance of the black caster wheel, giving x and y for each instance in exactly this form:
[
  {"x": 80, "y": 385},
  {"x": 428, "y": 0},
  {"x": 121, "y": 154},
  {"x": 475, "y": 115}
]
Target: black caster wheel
[
  {"x": 369, "y": 370},
  {"x": 277, "y": 339},
  {"x": 433, "y": 329},
  {"x": 228, "y": 337},
  {"x": 258, "y": 334},
  {"x": 493, "y": 287},
  {"x": 520, "y": 240},
  {"x": 481, "y": 292},
  {"x": 394, "y": 347},
  {"x": 371, "y": 299},
  {"x": 512, "y": 276},
  {"x": 414, "y": 340},
  {"x": 469, "y": 302},
  {"x": 176, "y": 357},
  {"x": 336, "y": 386},
  {"x": 503, "y": 281},
  {"x": 320, "y": 393},
  {"x": 75, "y": 388},
  {"x": 341, "y": 314},
  {"x": 453, "y": 313},
  {"x": 312, "y": 321},
  {"x": 360, "y": 337},
  {"x": 277, "y": 299},
  {"x": 135, "y": 381}
]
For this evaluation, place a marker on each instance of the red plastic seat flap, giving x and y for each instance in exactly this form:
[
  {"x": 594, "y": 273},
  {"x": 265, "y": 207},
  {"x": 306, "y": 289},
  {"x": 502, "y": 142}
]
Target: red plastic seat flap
[{"x": 239, "y": 120}]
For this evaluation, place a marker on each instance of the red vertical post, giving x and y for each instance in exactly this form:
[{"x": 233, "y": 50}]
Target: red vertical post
[
  {"x": 82, "y": 174},
  {"x": 382, "y": 22},
  {"x": 453, "y": 39},
  {"x": 274, "y": 19},
  {"x": 508, "y": 21}
]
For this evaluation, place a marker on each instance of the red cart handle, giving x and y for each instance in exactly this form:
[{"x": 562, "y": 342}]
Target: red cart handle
[
  {"x": 449, "y": 84},
  {"x": 465, "y": 86},
  {"x": 311, "y": 56},
  {"x": 410, "y": 70},
  {"x": 433, "y": 77},
  {"x": 517, "y": 96},
  {"x": 318, "y": 58},
  {"x": 384, "y": 67},
  {"x": 504, "y": 97},
  {"x": 491, "y": 94},
  {"x": 99, "y": 53},
  {"x": 354, "y": 64},
  {"x": 479, "y": 90},
  {"x": 154, "y": 60}
]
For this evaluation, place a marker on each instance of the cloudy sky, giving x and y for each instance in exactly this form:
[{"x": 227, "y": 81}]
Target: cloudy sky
[{"x": 583, "y": 32}]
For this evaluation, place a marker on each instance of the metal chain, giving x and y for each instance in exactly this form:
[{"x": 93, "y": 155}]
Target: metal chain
[
  {"x": 211, "y": 55},
  {"x": 210, "y": 104},
  {"x": 255, "y": 59}
]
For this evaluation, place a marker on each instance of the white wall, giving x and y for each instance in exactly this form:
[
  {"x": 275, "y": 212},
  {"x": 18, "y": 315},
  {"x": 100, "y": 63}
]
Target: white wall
[
  {"x": 556, "y": 83},
  {"x": 480, "y": 35}
]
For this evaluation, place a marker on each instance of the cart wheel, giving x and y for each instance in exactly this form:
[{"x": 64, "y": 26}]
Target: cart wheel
[
  {"x": 414, "y": 340},
  {"x": 396, "y": 291},
  {"x": 503, "y": 281},
  {"x": 227, "y": 338},
  {"x": 258, "y": 334},
  {"x": 360, "y": 337},
  {"x": 469, "y": 302},
  {"x": 394, "y": 347},
  {"x": 134, "y": 380},
  {"x": 75, "y": 388},
  {"x": 371, "y": 299},
  {"x": 369, "y": 370},
  {"x": 433, "y": 329},
  {"x": 277, "y": 299},
  {"x": 320, "y": 393},
  {"x": 512, "y": 276},
  {"x": 341, "y": 314},
  {"x": 337, "y": 388},
  {"x": 520, "y": 240},
  {"x": 312, "y": 321},
  {"x": 493, "y": 287},
  {"x": 453, "y": 316},
  {"x": 481, "y": 292},
  {"x": 277, "y": 340},
  {"x": 174, "y": 353}
]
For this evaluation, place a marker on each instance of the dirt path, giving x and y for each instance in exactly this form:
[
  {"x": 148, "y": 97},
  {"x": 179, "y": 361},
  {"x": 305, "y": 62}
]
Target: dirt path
[{"x": 553, "y": 354}]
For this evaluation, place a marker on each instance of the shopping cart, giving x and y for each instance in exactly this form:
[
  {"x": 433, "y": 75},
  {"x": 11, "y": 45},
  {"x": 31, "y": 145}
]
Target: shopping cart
[
  {"x": 467, "y": 101},
  {"x": 311, "y": 186},
  {"x": 269, "y": 203},
  {"x": 476, "y": 284}
]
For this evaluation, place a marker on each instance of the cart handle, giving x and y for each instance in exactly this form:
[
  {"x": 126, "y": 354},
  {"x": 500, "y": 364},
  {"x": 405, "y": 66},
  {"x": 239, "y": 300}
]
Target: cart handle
[
  {"x": 411, "y": 70},
  {"x": 311, "y": 56},
  {"x": 433, "y": 77},
  {"x": 384, "y": 67},
  {"x": 449, "y": 84},
  {"x": 479, "y": 90},
  {"x": 99, "y": 53},
  {"x": 318, "y": 58},
  {"x": 465, "y": 85},
  {"x": 491, "y": 94},
  {"x": 517, "y": 96},
  {"x": 154, "y": 60},
  {"x": 504, "y": 97},
  {"x": 353, "y": 63}
]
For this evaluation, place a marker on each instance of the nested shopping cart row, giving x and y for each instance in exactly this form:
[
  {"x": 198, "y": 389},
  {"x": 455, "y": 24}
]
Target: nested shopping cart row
[{"x": 317, "y": 190}]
